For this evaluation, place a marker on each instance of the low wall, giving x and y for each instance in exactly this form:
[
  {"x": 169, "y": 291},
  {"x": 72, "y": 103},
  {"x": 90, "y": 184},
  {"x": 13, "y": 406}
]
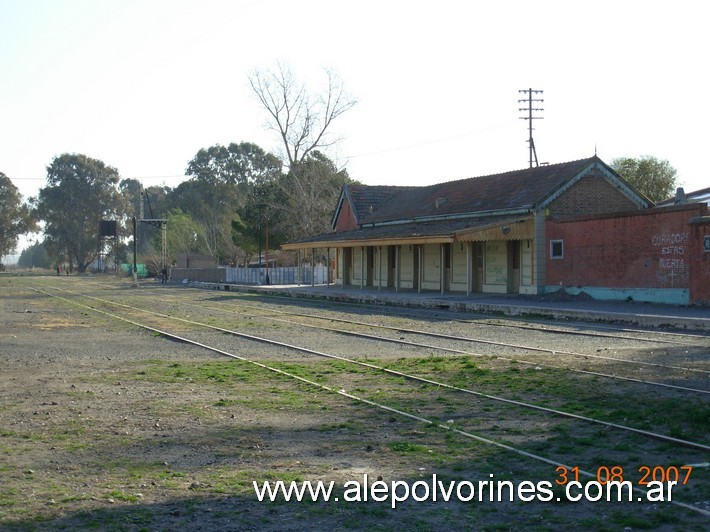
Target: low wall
[
  {"x": 252, "y": 276},
  {"x": 654, "y": 255},
  {"x": 209, "y": 275}
]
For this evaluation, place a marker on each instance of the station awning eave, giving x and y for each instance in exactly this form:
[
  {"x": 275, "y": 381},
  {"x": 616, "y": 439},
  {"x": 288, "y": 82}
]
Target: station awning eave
[{"x": 394, "y": 241}]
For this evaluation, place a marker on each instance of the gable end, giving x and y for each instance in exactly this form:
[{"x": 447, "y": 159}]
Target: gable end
[
  {"x": 345, "y": 216},
  {"x": 595, "y": 190}
]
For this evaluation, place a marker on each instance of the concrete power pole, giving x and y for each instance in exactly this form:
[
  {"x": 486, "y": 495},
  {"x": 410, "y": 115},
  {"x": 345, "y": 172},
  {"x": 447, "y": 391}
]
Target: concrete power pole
[{"x": 530, "y": 101}]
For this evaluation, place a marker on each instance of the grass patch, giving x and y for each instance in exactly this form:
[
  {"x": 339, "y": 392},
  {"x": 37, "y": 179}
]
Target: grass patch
[
  {"x": 118, "y": 495},
  {"x": 685, "y": 418},
  {"x": 405, "y": 447}
]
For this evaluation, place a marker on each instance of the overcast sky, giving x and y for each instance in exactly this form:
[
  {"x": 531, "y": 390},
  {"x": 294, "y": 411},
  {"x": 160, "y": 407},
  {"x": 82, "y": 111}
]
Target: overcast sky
[{"x": 144, "y": 84}]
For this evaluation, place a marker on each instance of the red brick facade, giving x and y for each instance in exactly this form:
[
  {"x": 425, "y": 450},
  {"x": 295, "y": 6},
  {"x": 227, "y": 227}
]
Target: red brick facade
[
  {"x": 659, "y": 248},
  {"x": 346, "y": 218},
  {"x": 592, "y": 194}
]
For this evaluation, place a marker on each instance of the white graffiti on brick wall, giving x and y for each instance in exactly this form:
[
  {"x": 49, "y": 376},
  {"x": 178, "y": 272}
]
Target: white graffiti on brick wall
[{"x": 673, "y": 270}]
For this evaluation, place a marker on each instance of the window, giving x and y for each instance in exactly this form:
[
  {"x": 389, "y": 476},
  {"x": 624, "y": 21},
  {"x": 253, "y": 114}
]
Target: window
[{"x": 556, "y": 249}]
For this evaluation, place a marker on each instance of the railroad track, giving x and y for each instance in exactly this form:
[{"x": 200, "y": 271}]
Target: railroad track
[
  {"x": 407, "y": 330},
  {"x": 556, "y": 353},
  {"x": 695, "y": 446},
  {"x": 400, "y": 374},
  {"x": 75, "y": 297},
  {"x": 596, "y": 330}
]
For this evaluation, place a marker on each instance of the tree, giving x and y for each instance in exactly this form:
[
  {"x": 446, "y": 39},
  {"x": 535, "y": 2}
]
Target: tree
[
  {"x": 209, "y": 205},
  {"x": 245, "y": 237},
  {"x": 652, "y": 177},
  {"x": 155, "y": 206},
  {"x": 184, "y": 235},
  {"x": 34, "y": 256},
  {"x": 301, "y": 120},
  {"x": 240, "y": 164},
  {"x": 221, "y": 184},
  {"x": 302, "y": 202},
  {"x": 15, "y": 218},
  {"x": 80, "y": 192}
]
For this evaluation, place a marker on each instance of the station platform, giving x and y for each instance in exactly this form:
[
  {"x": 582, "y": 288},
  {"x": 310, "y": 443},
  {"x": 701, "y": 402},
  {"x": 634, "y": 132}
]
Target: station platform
[{"x": 557, "y": 306}]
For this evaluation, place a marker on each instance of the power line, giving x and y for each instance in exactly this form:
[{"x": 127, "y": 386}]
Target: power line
[
  {"x": 123, "y": 177},
  {"x": 425, "y": 142}
]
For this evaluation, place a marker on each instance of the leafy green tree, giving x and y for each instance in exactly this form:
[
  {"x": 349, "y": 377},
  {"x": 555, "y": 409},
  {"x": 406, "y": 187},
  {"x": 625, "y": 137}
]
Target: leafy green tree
[
  {"x": 654, "y": 178},
  {"x": 154, "y": 198},
  {"x": 240, "y": 164},
  {"x": 131, "y": 192},
  {"x": 221, "y": 184},
  {"x": 35, "y": 256},
  {"x": 209, "y": 205},
  {"x": 184, "y": 235},
  {"x": 80, "y": 192},
  {"x": 155, "y": 206},
  {"x": 256, "y": 217},
  {"x": 245, "y": 238},
  {"x": 15, "y": 218}
]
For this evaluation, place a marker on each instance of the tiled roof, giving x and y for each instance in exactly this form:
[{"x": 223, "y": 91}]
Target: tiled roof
[
  {"x": 510, "y": 190},
  {"x": 367, "y": 199},
  {"x": 440, "y": 211}
]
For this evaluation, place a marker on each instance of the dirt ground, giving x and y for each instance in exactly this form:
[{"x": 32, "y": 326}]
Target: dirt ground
[{"x": 105, "y": 426}]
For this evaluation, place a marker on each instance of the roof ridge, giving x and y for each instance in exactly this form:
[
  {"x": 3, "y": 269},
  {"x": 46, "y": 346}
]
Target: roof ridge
[
  {"x": 498, "y": 174},
  {"x": 505, "y": 190}
]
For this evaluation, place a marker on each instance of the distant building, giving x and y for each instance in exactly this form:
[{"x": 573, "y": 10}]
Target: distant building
[{"x": 683, "y": 198}]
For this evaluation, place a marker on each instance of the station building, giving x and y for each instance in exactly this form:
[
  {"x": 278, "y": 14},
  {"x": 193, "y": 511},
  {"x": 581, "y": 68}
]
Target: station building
[{"x": 575, "y": 225}]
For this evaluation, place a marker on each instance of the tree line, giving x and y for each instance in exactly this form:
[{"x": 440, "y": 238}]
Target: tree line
[
  {"x": 232, "y": 194},
  {"x": 222, "y": 210}
]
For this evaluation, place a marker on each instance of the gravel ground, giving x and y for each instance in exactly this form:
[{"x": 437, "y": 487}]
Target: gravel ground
[{"x": 96, "y": 432}]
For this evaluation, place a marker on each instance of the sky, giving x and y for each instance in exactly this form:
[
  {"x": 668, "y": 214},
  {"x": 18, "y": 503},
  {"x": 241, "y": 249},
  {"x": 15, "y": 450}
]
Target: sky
[{"x": 143, "y": 85}]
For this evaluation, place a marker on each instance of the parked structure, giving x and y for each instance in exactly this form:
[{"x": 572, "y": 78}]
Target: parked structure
[{"x": 530, "y": 231}]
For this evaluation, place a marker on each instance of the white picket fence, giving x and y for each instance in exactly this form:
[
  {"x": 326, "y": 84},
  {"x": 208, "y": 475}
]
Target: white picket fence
[{"x": 255, "y": 276}]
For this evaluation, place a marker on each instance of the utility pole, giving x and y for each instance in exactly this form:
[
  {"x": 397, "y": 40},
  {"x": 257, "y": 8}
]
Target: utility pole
[
  {"x": 266, "y": 218},
  {"x": 530, "y": 101},
  {"x": 135, "y": 252},
  {"x": 159, "y": 223}
]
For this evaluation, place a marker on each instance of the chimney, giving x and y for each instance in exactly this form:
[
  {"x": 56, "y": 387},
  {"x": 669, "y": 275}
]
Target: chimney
[{"x": 680, "y": 198}]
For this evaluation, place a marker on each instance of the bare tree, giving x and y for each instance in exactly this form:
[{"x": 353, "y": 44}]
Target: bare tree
[
  {"x": 301, "y": 120},
  {"x": 303, "y": 201}
]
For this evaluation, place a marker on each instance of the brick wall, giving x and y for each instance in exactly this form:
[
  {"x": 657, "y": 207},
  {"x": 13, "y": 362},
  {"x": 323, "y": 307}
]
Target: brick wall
[
  {"x": 699, "y": 265},
  {"x": 653, "y": 248},
  {"x": 193, "y": 260},
  {"x": 592, "y": 194},
  {"x": 346, "y": 218}
]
